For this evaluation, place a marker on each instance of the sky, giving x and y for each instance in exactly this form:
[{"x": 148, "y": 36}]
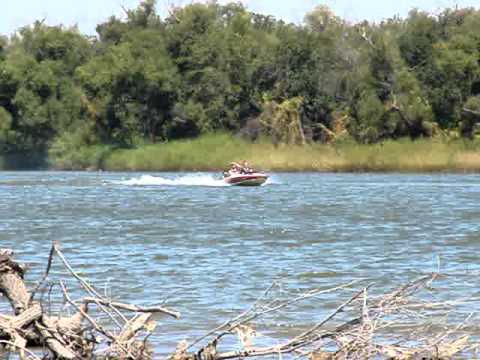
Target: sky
[{"x": 86, "y": 14}]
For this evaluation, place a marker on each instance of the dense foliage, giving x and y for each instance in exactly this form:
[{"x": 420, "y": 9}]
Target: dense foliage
[{"x": 208, "y": 67}]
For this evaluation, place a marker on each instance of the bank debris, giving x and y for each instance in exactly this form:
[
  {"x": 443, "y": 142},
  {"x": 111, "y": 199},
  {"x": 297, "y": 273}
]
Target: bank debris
[
  {"x": 32, "y": 328},
  {"x": 362, "y": 327}
]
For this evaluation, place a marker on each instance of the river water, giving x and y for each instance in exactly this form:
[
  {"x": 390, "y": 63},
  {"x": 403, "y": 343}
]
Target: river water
[{"x": 210, "y": 250}]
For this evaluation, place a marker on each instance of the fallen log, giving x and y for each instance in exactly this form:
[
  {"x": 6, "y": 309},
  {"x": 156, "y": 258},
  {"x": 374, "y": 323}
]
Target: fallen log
[
  {"x": 29, "y": 319},
  {"x": 68, "y": 337},
  {"x": 11, "y": 282},
  {"x": 55, "y": 343}
]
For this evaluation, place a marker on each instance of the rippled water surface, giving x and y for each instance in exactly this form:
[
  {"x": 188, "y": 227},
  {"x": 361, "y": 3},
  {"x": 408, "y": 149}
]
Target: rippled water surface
[{"x": 211, "y": 250}]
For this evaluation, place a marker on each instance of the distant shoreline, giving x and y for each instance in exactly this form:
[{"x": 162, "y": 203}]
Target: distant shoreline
[{"x": 214, "y": 152}]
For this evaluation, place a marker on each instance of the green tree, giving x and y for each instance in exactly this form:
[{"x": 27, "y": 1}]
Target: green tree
[
  {"x": 7, "y": 135},
  {"x": 388, "y": 100},
  {"x": 218, "y": 54},
  {"x": 470, "y": 117},
  {"x": 130, "y": 89},
  {"x": 36, "y": 86},
  {"x": 283, "y": 121}
]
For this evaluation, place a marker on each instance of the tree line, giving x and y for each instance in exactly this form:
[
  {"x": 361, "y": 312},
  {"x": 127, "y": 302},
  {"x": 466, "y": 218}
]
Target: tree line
[{"x": 211, "y": 67}]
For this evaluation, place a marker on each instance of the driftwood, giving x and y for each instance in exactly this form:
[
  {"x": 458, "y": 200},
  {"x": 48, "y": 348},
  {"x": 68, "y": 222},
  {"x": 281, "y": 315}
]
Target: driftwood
[
  {"x": 368, "y": 334},
  {"x": 361, "y": 327},
  {"x": 75, "y": 337}
]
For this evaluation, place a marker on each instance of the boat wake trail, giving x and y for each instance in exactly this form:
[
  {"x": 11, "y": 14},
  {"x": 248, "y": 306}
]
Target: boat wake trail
[
  {"x": 185, "y": 180},
  {"x": 272, "y": 180}
]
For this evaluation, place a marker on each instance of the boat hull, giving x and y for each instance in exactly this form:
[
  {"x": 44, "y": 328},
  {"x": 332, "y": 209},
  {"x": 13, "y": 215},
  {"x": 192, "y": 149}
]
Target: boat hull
[{"x": 246, "y": 180}]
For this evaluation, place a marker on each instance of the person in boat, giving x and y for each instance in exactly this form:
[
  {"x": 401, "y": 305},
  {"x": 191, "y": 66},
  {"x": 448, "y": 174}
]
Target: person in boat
[
  {"x": 239, "y": 168},
  {"x": 246, "y": 167},
  {"x": 235, "y": 168}
]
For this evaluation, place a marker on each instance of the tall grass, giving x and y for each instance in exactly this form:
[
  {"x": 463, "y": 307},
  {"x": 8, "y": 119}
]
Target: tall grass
[
  {"x": 203, "y": 153},
  {"x": 215, "y": 151},
  {"x": 80, "y": 158}
]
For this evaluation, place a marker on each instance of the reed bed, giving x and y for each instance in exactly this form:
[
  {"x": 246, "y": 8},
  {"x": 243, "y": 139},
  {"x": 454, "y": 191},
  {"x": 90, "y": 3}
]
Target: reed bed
[{"x": 214, "y": 152}]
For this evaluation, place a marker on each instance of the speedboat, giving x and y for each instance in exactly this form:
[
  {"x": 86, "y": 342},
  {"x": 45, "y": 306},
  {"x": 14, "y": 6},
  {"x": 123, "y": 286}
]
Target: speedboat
[{"x": 248, "y": 179}]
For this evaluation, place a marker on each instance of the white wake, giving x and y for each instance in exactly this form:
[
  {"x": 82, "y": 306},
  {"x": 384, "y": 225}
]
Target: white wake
[{"x": 185, "y": 180}]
